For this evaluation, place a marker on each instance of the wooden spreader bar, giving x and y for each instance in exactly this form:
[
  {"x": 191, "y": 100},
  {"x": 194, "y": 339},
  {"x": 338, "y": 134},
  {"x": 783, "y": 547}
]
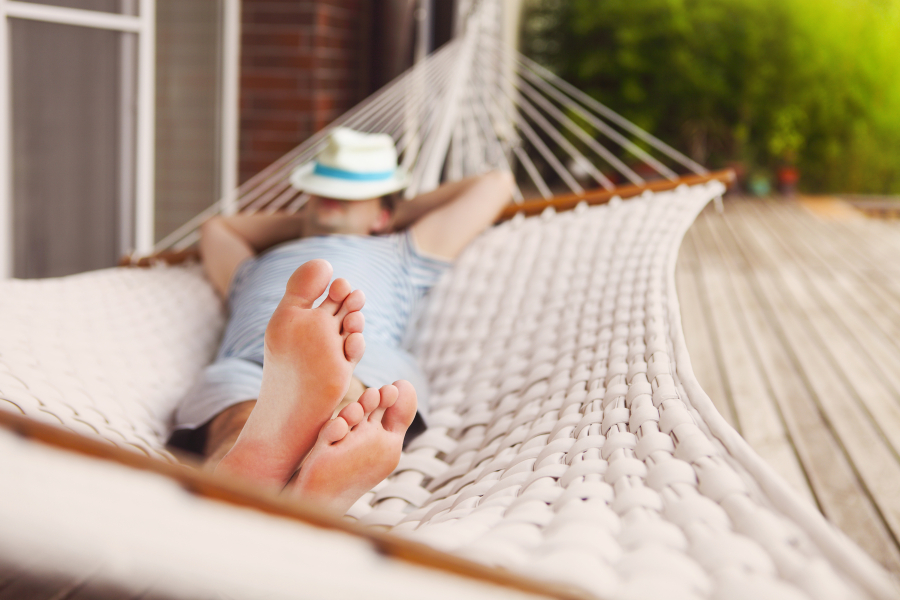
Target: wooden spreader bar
[
  {"x": 592, "y": 197},
  {"x": 239, "y": 493}
]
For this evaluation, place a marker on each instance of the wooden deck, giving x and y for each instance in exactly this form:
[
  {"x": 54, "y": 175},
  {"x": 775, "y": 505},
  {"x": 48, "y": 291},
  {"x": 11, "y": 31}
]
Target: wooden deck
[{"x": 791, "y": 312}]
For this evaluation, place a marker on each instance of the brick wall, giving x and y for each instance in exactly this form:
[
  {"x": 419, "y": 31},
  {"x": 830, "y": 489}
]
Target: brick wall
[{"x": 303, "y": 63}]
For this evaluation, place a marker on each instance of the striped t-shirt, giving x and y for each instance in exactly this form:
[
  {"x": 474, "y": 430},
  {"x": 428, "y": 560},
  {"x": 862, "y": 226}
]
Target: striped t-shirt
[{"x": 390, "y": 270}]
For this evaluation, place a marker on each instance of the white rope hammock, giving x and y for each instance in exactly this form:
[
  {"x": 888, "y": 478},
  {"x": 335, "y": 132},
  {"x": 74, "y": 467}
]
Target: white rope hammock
[{"x": 569, "y": 443}]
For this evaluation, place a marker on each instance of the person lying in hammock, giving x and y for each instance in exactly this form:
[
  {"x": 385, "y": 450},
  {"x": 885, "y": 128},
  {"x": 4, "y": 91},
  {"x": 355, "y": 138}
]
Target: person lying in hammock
[{"x": 284, "y": 367}]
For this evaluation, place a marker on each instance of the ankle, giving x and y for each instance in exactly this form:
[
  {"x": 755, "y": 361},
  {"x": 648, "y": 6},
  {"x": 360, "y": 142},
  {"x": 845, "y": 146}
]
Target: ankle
[{"x": 243, "y": 460}]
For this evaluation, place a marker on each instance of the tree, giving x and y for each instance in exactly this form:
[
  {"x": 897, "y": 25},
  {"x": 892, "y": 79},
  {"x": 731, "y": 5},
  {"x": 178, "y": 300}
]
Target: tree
[{"x": 812, "y": 83}]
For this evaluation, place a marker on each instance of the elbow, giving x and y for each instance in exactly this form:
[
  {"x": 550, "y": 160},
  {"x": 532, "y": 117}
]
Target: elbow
[
  {"x": 504, "y": 181},
  {"x": 509, "y": 181},
  {"x": 211, "y": 224}
]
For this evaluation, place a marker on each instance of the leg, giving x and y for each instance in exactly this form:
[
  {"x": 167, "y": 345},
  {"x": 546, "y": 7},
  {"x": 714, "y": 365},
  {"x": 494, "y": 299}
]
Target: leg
[
  {"x": 308, "y": 362},
  {"x": 357, "y": 449},
  {"x": 223, "y": 431}
]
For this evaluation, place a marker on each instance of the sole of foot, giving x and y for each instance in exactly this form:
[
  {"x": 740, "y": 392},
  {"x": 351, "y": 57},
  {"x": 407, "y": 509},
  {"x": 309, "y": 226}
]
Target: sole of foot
[
  {"x": 357, "y": 449},
  {"x": 309, "y": 357}
]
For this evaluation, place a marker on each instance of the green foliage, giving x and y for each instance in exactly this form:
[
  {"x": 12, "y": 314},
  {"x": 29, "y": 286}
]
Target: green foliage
[{"x": 814, "y": 83}]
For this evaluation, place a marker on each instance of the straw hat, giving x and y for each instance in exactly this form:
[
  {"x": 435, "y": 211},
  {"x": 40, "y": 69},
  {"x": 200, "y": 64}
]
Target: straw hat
[{"x": 354, "y": 166}]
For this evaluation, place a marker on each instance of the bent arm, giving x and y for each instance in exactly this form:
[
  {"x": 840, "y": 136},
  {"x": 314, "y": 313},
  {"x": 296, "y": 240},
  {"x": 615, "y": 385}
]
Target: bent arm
[
  {"x": 226, "y": 242},
  {"x": 410, "y": 211},
  {"x": 458, "y": 212}
]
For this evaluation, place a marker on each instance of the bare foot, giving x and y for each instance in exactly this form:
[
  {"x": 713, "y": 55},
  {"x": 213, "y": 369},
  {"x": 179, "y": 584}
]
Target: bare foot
[
  {"x": 357, "y": 449},
  {"x": 310, "y": 354}
]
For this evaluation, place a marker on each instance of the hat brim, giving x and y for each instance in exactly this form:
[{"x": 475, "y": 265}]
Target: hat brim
[{"x": 304, "y": 179}]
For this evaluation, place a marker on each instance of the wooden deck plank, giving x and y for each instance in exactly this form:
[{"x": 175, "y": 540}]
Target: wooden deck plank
[
  {"x": 860, "y": 282},
  {"x": 762, "y": 424},
  {"x": 830, "y": 475},
  {"x": 834, "y": 388},
  {"x": 771, "y": 330},
  {"x": 866, "y": 249},
  {"x": 870, "y": 237},
  {"x": 695, "y": 323},
  {"x": 845, "y": 500},
  {"x": 865, "y": 356}
]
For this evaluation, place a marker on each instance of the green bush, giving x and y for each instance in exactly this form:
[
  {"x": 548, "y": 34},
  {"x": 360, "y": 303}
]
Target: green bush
[{"x": 767, "y": 83}]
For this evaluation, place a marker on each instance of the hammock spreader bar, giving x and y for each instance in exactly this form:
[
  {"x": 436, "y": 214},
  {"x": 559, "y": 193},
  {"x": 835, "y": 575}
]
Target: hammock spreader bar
[
  {"x": 568, "y": 202},
  {"x": 205, "y": 485}
]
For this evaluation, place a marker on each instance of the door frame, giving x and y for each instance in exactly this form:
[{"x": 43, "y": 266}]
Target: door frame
[{"x": 142, "y": 147}]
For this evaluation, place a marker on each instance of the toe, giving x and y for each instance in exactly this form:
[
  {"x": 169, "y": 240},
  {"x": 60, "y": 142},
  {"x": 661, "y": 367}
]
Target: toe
[
  {"x": 369, "y": 400},
  {"x": 353, "y": 302},
  {"x": 334, "y": 430},
  {"x": 308, "y": 282},
  {"x": 339, "y": 291},
  {"x": 353, "y": 413},
  {"x": 388, "y": 395},
  {"x": 354, "y": 347},
  {"x": 398, "y": 417},
  {"x": 354, "y": 322}
]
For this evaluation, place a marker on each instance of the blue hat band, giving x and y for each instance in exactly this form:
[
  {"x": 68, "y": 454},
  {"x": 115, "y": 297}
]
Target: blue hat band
[{"x": 321, "y": 169}]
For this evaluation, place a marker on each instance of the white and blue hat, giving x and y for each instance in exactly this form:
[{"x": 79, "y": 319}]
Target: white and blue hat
[{"x": 354, "y": 166}]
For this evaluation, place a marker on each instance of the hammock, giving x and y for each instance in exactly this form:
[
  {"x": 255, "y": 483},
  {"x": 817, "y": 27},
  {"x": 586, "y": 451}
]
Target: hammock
[
  {"x": 569, "y": 440},
  {"x": 571, "y": 451}
]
